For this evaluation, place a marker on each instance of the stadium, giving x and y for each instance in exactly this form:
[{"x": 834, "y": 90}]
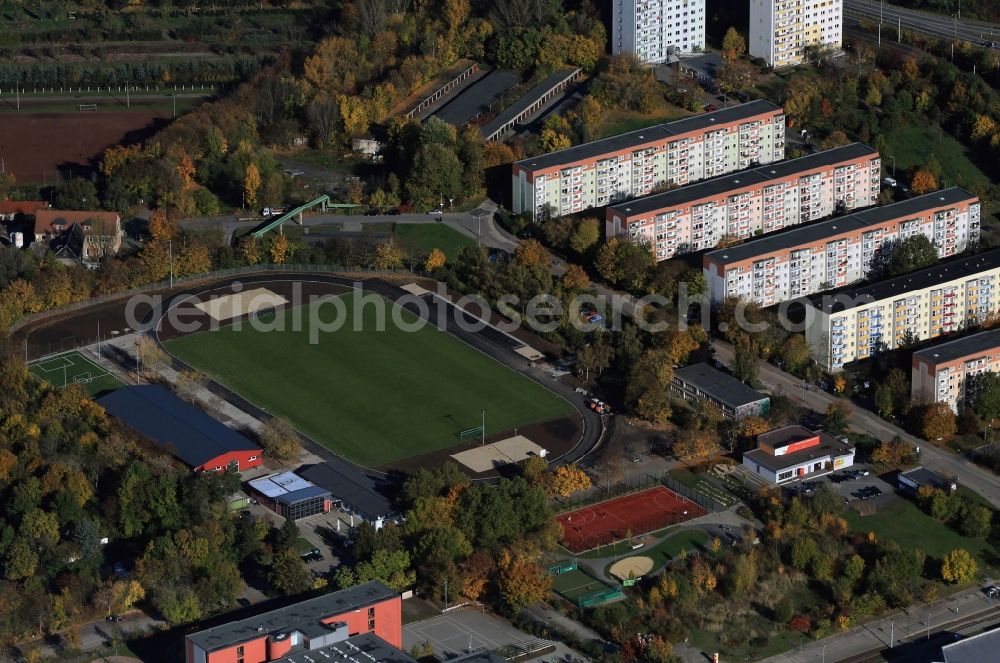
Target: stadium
[{"x": 320, "y": 350}]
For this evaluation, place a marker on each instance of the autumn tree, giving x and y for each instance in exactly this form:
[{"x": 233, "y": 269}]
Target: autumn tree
[
  {"x": 534, "y": 469},
  {"x": 938, "y": 421},
  {"x": 893, "y": 453},
  {"x": 278, "y": 249},
  {"x": 151, "y": 358},
  {"x": 958, "y": 567},
  {"x": 567, "y": 479},
  {"x": 279, "y": 439},
  {"x": 388, "y": 255},
  {"x": 435, "y": 260},
  {"x": 532, "y": 254},
  {"x": 161, "y": 227},
  {"x": 249, "y": 249},
  {"x": 733, "y": 44},
  {"x": 923, "y": 182},
  {"x": 575, "y": 279},
  {"x": 522, "y": 581},
  {"x": 696, "y": 445},
  {"x": 251, "y": 184}
]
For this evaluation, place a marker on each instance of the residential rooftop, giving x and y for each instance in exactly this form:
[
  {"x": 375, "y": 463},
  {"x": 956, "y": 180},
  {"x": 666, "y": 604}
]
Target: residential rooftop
[
  {"x": 816, "y": 232},
  {"x": 721, "y": 386},
  {"x": 829, "y": 447},
  {"x": 527, "y": 99},
  {"x": 476, "y": 98},
  {"x": 625, "y": 141},
  {"x": 303, "y": 616},
  {"x": 976, "y": 344},
  {"x": 941, "y": 273},
  {"x": 757, "y": 176},
  {"x": 181, "y": 428}
]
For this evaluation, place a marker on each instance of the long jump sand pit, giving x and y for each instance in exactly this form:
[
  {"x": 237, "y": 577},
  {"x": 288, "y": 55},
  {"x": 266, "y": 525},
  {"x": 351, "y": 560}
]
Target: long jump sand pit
[
  {"x": 236, "y": 305},
  {"x": 497, "y": 454},
  {"x": 631, "y": 567}
]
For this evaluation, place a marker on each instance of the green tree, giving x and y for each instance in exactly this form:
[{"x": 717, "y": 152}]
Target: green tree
[
  {"x": 436, "y": 174},
  {"x": 976, "y": 521},
  {"x": 986, "y": 387},
  {"x": 78, "y": 194},
  {"x": 837, "y": 417},
  {"x": 288, "y": 573},
  {"x": 804, "y": 550},
  {"x": 911, "y": 254},
  {"x": 586, "y": 235}
]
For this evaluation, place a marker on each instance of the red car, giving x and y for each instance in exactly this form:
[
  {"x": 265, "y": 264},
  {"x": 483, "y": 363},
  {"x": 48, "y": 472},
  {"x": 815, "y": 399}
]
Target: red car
[{"x": 711, "y": 108}]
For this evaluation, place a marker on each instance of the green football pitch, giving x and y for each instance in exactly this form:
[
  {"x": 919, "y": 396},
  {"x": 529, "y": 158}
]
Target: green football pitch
[
  {"x": 71, "y": 367},
  {"x": 372, "y": 396}
]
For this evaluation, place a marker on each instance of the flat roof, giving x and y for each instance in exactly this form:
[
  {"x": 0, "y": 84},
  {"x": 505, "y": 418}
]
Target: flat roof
[
  {"x": 758, "y": 175},
  {"x": 814, "y": 232},
  {"x": 961, "y": 347},
  {"x": 941, "y": 273},
  {"x": 922, "y": 475},
  {"x": 287, "y": 487},
  {"x": 974, "y": 649},
  {"x": 527, "y": 99},
  {"x": 649, "y": 134},
  {"x": 474, "y": 99},
  {"x": 183, "y": 429},
  {"x": 356, "y": 488},
  {"x": 304, "y": 614},
  {"x": 364, "y": 648},
  {"x": 721, "y": 386},
  {"x": 829, "y": 447},
  {"x": 707, "y": 64}
]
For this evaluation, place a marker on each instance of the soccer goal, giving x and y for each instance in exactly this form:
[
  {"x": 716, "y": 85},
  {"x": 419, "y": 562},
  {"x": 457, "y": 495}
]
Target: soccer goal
[{"x": 87, "y": 107}]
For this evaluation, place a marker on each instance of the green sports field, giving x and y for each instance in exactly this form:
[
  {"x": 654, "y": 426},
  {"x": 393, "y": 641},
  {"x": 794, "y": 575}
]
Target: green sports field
[
  {"x": 374, "y": 397},
  {"x": 71, "y": 367}
]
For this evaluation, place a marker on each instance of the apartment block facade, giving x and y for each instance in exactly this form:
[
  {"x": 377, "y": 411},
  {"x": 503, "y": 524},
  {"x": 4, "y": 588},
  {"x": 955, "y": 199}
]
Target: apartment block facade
[
  {"x": 781, "y": 30},
  {"x": 636, "y": 163},
  {"x": 946, "y": 373},
  {"x": 653, "y": 30},
  {"x": 861, "y": 322},
  {"x": 837, "y": 252},
  {"x": 760, "y": 200}
]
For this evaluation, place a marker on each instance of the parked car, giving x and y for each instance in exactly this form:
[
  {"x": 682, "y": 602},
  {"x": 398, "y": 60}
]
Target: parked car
[
  {"x": 436, "y": 212},
  {"x": 113, "y": 618},
  {"x": 272, "y": 211},
  {"x": 711, "y": 108}
]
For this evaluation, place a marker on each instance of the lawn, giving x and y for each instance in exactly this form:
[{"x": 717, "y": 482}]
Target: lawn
[
  {"x": 619, "y": 122},
  {"x": 73, "y": 367},
  {"x": 422, "y": 237},
  {"x": 902, "y": 521},
  {"x": 372, "y": 396},
  {"x": 663, "y": 552},
  {"x": 911, "y": 144}
]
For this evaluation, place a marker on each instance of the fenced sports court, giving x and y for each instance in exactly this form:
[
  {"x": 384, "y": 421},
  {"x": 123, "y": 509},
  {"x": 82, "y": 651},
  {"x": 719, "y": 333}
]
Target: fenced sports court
[
  {"x": 579, "y": 587},
  {"x": 622, "y": 517},
  {"x": 74, "y": 368}
]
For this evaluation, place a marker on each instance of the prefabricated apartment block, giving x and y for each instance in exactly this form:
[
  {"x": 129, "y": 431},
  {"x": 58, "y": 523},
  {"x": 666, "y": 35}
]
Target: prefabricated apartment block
[
  {"x": 834, "y": 253},
  {"x": 858, "y": 323},
  {"x": 945, "y": 373},
  {"x": 755, "y": 201},
  {"x": 635, "y": 163}
]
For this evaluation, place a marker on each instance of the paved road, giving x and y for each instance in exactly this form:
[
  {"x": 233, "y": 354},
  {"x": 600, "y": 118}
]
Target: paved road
[
  {"x": 974, "y": 477},
  {"x": 937, "y": 25}
]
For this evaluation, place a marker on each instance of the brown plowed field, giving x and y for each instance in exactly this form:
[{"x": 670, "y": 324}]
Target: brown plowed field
[{"x": 35, "y": 145}]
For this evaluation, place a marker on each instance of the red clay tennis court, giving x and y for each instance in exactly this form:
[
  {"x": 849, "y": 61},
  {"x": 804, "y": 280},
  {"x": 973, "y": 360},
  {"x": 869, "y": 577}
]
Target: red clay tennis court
[{"x": 606, "y": 522}]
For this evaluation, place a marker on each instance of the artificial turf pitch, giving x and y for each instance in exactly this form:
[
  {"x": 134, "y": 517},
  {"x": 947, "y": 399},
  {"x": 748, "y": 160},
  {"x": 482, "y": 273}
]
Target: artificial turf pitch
[
  {"x": 73, "y": 367},
  {"x": 374, "y": 397}
]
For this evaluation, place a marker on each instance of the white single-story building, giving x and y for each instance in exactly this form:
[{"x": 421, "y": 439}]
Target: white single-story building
[{"x": 795, "y": 452}]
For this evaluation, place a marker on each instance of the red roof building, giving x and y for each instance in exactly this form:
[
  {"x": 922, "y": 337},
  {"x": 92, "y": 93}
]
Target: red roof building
[
  {"x": 370, "y": 608},
  {"x": 11, "y": 208}
]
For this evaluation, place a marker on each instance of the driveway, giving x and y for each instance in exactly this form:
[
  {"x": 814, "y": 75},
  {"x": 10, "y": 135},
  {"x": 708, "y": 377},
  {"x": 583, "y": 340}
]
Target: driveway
[{"x": 974, "y": 477}]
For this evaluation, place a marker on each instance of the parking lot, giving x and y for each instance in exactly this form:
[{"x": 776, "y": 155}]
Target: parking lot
[
  {"x": 462, "y": 631},
  {"x": 851, "y": 485}
]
